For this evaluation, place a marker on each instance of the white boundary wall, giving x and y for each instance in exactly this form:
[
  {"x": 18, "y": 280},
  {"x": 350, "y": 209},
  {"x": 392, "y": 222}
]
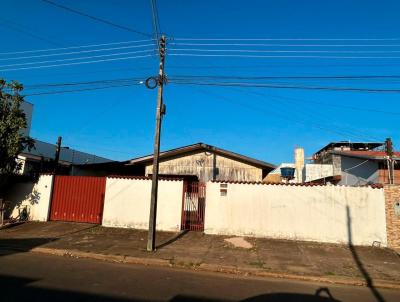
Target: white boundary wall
[
  {"x": 36, "y": 196},
  {"x": 127, "y": 203},
  {"x": 312, "y": 213}
]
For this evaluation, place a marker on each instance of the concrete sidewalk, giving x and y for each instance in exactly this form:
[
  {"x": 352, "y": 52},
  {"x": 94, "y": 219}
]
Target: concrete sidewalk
[{"x": 263, "y": 257}]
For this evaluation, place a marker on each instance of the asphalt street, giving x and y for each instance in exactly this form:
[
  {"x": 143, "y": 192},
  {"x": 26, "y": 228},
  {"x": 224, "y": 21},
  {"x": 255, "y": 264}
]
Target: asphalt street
[{"x": 38, "y": 277}]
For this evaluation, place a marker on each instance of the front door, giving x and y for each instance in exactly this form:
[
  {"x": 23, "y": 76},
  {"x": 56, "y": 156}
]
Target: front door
[{"x": 193, "y": 208}]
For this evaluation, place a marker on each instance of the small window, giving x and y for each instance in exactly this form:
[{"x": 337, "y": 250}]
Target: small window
[{"x": 223, "y": 189}]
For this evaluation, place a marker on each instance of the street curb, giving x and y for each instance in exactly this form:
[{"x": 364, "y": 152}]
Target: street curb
[
  {"x": 103, "y": 257},
  {"x": 10, "y": 225},
  {"x": 212, "y": 268}
]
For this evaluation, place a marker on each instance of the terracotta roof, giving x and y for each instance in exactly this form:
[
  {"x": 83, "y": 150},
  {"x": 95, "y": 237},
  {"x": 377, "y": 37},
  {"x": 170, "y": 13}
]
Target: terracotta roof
[
  {"x": 145, "y": 177},
  {"x": 370, "y": 154},
  {"x": 309, "y": 184}
]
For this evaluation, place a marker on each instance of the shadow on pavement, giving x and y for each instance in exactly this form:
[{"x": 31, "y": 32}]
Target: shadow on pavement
[
  {"x": 173, "y": 239},
  {"x": 359, "y": 263},
  {"x": 23, "y": 289},
  {"x": 274, "y": 297},
  {"x": 10, "y": 246}
]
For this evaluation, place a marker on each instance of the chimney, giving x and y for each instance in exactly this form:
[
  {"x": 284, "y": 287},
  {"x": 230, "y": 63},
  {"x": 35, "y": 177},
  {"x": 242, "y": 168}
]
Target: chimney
[{"x": 299, "y": 163}]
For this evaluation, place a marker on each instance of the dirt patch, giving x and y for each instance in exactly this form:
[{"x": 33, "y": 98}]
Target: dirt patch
[{"x": 239, "y": 242}]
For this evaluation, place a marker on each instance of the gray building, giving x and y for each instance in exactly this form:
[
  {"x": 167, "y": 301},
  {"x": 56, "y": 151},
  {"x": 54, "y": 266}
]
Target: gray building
[{"x": 357, "y": 163}]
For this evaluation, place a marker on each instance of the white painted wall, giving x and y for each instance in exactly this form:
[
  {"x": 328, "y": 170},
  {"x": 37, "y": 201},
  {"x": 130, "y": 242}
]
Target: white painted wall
[
  {"x": 127, "y": 204},
  {"x": 317, "y": 171},
  {"x": 317, "y": 213},
  {"x": 35, "y": 196}
]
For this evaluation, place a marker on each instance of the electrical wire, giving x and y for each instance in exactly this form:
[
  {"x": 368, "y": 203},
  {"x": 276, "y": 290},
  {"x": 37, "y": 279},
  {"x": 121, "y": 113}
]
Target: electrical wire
[
  {"x": 85, "y": 82},
  {"x": 283, "y": 45},
  {"x": 282, "y": 51},
  {"x": 76, "y": 63},
  {"x": 284, "y": 77},
  {"x": 286, "y": 39},
  {"x": 21, "y": 29},
  {"x": 80, "y": 90},
  {"x": 279, "y": 57},
  {"x": 262, "y": 85},
  {"x": 75, "y": 11},
  {"x": 313, "y": 117},
  {"x": 76, "y": 47},
  {"x": 156, "y": 23},
  {"x": 77, "y": 52},
  {"x": 78, "y": 58},
  {"x": 360, "y": 108},
  {"x": 278, "y": 114}
]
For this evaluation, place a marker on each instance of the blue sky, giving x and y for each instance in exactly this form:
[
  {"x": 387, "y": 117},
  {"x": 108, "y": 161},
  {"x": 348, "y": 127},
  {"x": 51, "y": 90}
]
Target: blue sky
[{"x": 263, "y": 123}]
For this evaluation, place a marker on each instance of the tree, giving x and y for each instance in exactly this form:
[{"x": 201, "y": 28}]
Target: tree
[{"x": 12, "y": 138}]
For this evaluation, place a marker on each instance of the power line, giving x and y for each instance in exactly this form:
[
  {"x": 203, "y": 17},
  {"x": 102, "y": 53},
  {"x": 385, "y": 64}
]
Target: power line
[
  {"x": 279, "y": 115},
  {"x": 20, "y": 29},
  {"x": 94, "y": 71},
  {"x": 286, "y": 39},
  {"x": 282, "y": 51},
  {"x": 75, "y": 11},
  {"x": 172, "y": 77},
  {"x": 283, "y": 45},
  {"x": 156, "y": 22},
  {"x": 78, "y": 58},
  {"x": 261, "y": 85},
  {"x": 106, "y": 81},
  {"x": 75, "y": 47},
  {"x": 77, "y": 63},
  {"x": 279, "y": 57},
  {"x": 77, "y": 52},
  {"x": 313, "y": 117},
  {"x": 80, "y": 90},
  {"x": 360, "y": 108}
]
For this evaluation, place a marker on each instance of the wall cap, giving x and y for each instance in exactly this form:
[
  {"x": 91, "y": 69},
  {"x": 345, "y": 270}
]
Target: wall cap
[
  {"x": 145, "y": 177},
  {"x": 373, "y": 186}
]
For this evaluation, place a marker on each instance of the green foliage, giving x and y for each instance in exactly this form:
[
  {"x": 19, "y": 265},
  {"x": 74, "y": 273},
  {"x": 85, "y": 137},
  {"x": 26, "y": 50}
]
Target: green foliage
[{"x": 12, "y": 122}]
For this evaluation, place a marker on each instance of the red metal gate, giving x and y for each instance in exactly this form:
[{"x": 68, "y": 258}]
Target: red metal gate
[
  {"x": 194, "y": 201},
  {"x": 78, "y": 199}
]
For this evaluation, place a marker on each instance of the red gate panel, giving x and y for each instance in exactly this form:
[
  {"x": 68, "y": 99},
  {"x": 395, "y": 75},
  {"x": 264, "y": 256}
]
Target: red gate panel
[
  {"x": 78, "y": 199},
  {"x": 193, "y": 208}
]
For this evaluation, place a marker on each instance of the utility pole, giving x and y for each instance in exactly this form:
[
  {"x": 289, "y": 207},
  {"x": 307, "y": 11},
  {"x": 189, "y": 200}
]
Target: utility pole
[
  {"x": 390, "y": 162},
  {"x": 151, "y": 240},
  {"x": 57, "y": 155}
]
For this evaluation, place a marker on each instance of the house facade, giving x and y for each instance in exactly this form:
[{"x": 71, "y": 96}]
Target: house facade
[
  {"x": 342, "y": 163},
  {"x": 197, "y": 162},
  {"x": 358, "y": 163},
  {"x": 206, "y": 162}
]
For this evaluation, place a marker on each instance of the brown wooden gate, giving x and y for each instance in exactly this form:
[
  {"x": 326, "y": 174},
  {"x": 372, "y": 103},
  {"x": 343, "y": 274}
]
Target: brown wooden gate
[
  {"x": 78, "y": 199},
  {"x": 193, "y": 207}
]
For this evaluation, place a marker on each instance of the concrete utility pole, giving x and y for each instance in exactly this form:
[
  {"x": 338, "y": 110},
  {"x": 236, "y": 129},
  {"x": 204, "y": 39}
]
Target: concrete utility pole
[
  {"x": 390, "y": 162},
  {"x": 57, "y": 155},
  {"x": 151, "y": 240}
]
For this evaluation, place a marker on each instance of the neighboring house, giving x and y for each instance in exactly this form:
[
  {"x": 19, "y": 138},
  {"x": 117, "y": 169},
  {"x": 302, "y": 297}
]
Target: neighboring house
[
  {"x": 35, "y": 160},
  {"x": 199, "y": 161},
  {"x": 39, "y": 158},
  {"x": 27, "y": 108},
  {"x": 357, "y": 163},
  {"x": 343, "y": 163}
]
